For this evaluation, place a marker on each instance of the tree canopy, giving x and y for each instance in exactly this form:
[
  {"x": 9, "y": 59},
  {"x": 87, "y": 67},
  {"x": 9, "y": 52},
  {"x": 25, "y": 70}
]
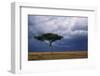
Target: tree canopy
[{"x": 49, "y": 37}]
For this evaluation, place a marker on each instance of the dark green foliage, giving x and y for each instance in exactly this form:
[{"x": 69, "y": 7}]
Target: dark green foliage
[{"x": 49, "y": 37}]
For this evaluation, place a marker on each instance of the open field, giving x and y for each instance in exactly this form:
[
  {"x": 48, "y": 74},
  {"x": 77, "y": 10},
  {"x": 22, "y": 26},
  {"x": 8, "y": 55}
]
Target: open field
[{"x": 56, "y": 55}]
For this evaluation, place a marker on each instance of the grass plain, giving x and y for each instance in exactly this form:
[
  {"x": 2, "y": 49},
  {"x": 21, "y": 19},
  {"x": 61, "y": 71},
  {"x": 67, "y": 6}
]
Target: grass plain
[{"x": 57, "y": 55}]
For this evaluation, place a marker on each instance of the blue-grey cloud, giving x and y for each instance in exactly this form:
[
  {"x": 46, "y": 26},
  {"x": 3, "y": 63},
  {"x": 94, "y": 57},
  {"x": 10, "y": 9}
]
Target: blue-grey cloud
[
  {"x": 73, "y": 29},
  {"x": 65, "y": 26}
]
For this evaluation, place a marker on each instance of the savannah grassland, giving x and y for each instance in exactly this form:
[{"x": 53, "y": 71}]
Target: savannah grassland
[{"x": 57, "y": 55}]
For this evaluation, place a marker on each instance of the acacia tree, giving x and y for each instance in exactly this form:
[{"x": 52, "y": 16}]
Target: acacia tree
[{"x": 48, "y": 37}]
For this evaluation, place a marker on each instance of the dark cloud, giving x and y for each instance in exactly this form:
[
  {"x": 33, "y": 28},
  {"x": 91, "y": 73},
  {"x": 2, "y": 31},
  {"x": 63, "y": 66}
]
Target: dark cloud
[{"x": 73, "y": 29}]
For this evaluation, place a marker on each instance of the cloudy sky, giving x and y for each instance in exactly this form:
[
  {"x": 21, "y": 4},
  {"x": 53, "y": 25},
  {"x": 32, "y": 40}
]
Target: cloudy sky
[{"x": 73, "y": 29}]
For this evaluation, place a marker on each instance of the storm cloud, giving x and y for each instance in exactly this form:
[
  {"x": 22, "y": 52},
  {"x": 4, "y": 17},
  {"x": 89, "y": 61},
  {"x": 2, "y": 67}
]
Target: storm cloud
[
  {"x": 65, "y": 26},
  {"x": 72, "y": 28}
]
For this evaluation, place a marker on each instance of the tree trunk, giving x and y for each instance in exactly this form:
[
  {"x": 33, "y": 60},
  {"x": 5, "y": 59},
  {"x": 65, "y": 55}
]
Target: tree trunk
[{"x": 50, "y": 44}]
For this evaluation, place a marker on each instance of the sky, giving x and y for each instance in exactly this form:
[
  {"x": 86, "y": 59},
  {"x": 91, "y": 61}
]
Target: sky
[{"x": 74, "y": 30}]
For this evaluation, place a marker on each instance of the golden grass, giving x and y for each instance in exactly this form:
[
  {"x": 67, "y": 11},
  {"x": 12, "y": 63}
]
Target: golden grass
[{"x": 57, "y": 55}]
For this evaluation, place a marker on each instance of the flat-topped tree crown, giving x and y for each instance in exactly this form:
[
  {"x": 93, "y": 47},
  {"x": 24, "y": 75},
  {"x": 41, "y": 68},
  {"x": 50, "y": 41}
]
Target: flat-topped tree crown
[{"x": 48, "y": 37}]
